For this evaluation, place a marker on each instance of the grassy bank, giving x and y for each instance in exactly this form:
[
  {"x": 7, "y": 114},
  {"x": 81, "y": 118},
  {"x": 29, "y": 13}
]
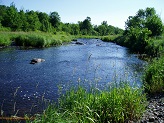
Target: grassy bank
[
  {"x": 34, "y": 39},
  {"x": 5, "y": 39},
  {"x": 153, "y": 47},
  {"x": 110, "y": 38},
  {"x": 118, "y": 104},
  {"x": 153, "y": 78}
]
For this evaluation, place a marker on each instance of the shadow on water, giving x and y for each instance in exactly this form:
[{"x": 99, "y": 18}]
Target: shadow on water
[{"x": 27, "y": 88}]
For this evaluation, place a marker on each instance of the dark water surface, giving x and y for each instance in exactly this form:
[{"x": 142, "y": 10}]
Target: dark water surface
[{"x": 25, "y": 88}]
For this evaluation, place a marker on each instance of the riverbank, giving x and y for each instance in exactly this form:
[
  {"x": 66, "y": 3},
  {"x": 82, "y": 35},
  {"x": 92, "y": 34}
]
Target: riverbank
[
  {"x": 118, "y": 104},
  {"x": 153, "y": 76},
  {"x": 153, "y": 48},
  {"x": 25, "y": 37},
  {"x": 37, "y": 39}
]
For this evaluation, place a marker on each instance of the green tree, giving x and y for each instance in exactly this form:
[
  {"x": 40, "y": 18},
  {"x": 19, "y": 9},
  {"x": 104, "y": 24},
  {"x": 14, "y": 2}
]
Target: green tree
[
  {"x": 45, "y": 22},
  {"x": 102, "y": 30},
  {"x": 55, "y": 20},
  {"x": 138, "y": 39},
  {"x": 154, "y": 23},
  {"x": 23, "y": 22},
  {"x": 66, "y": 27},
  {"x": 33, "y": 21},
  {"x": 11, "y": 18},
  {"x": 105, "y": 29},
  {"x": 141, "y": 27},
  {"x": 86, "y": 26},
  {"x": 145, "y": 19},
  {"x": 3, "y": 10},
  {"x": 75, "y": 29}
]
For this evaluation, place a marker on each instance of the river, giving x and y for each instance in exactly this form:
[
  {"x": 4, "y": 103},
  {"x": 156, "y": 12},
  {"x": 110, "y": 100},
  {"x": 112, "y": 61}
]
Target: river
[{"x": 26, "y": 88}]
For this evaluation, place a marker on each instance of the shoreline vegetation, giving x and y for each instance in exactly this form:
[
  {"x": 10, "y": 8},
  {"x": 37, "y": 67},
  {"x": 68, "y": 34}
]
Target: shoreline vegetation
[
  {"x": 33, "y": 39},
  {"x": 117, "y": 104},
  {"x": 143, "y": 35}
]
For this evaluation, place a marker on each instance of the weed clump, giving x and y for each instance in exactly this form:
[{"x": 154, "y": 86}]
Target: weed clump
[{"x": 120, "y": 104}]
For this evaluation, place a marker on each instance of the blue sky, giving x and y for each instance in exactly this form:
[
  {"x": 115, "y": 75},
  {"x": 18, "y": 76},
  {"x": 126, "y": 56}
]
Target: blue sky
[{"x": 115, "y": 12}]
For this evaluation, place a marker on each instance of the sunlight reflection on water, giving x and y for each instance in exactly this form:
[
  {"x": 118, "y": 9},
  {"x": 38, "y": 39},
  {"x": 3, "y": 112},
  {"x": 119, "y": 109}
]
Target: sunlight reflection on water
[{"x": 25, "y": 88}]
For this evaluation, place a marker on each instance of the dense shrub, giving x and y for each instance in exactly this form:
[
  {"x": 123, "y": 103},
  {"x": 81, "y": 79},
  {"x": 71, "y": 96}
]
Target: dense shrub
[
  {"x": 155, "y": 47},
  {"x": 4, "y": 40},
  {"x": 154, "y": 76},
  {"x": 137, "y": 39}
]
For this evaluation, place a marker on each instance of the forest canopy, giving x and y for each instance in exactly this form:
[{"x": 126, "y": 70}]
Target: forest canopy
[{"x": 19, "y": 20}]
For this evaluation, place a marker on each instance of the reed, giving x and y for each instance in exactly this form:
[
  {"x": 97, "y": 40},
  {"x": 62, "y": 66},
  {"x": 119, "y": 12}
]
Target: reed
[
  {"x": 34, "y": 39},
  {"x": 121, "y": 104}
]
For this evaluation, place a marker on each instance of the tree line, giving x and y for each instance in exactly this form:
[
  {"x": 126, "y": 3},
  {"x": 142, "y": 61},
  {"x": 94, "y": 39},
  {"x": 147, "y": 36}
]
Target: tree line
[
  {"x": 141, "y": 30},
  {"x": 14, "y": 20}
]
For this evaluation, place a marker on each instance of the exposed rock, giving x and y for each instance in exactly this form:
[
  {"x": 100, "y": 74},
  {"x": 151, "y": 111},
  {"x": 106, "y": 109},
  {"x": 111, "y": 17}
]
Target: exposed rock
[
  {"x": 36, "y": 60},
  {"x": 79, "y": 43},
  {"x": 155, "y": 111},
  {"x": 151, "y": 119},
  {"x": 98, "y": 44}
]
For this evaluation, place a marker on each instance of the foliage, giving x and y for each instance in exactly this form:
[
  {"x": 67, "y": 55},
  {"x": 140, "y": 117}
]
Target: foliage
[
  {"x": 137, "y": 39},
  {"x": 120, "y": 104},
  {"x": 145, "y": 19},
  {"x": 54, "y": 19},
  {"x": 143, "y": 33},
  {"x": 86, "y": 26},
  {"x": 109, "y": 38},
  {"x": 4, "y": 40},
  {"x": 155, "y": 47},
  {"x": 27, "y": 20},
  {"x": 33, "y": 21},
  {"x": 104, "y": 29},
  {"x": 154, "y": 76},
  {"x": 11, "y": 18},
  {"x": 154, "y": 23}
]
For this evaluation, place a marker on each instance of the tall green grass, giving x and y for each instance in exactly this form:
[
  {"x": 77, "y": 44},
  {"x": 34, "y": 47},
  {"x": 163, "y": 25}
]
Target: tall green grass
[
  {"x": 121, "y": 104},
  {"x": 109, "y": 38},
  {"x": 4, "y": 39},
  {"x": 154, "y": 76},
  {"x": 34, "y": 39}
]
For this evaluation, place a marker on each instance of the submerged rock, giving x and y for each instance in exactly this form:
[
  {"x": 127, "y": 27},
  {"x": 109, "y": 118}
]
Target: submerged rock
[
  {"x": 36, "y": 60},
  {"x": 79, "y": 43}
]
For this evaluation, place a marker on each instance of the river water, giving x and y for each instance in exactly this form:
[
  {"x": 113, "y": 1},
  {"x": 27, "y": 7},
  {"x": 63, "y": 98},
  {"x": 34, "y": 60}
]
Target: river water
[{"x": 26, "y": 88}]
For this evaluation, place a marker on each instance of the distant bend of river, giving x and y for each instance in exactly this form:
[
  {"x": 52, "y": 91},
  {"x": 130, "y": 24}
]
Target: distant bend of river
[{"x": 25, "y": 87}]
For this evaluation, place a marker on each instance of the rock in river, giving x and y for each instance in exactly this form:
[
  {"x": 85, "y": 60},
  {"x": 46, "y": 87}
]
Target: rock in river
[
  {"x": 79, "y": 43},
  {"x": 36, "y": 60}
]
